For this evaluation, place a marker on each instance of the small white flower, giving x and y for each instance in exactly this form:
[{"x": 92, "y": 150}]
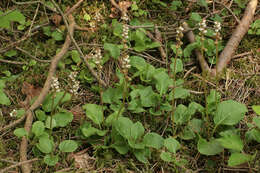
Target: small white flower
[{"x": 13, "y": 113}]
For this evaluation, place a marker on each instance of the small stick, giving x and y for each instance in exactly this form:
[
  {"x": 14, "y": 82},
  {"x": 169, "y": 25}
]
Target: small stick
[
  {"x": 13, "y": 62},
  {"x": 31, "y": 56},
  {"x": 18, "y": 164},
  {"x": 74, "y": 7}
]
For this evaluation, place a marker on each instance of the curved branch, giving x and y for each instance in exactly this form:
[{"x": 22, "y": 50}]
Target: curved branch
[
  {"x": 237, "y": 36},
  {"x": 26, "y": 168}
]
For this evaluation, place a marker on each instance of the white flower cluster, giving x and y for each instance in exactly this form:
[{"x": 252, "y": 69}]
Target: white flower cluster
[
  {"x": 97, "y": 57},
  {"x": 75, "y": 84},
  {"x": 98, "y": 17},
  {"x": 125, "y": 31},
  {"x": 13, "y": 113},
  {"x": 125, "y": 17},
  {"x": 179, "y": 31},
  {"x": 217, "y": 26},
  {"x": 126, "y": 62},
  {"x": 203, "y": 26},
  {"x": 55, "y": 84}
]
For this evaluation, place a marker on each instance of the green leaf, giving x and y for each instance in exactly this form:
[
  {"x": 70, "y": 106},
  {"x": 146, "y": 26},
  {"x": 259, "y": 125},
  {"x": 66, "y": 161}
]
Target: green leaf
[
  {"x": 175, "y": 5},
  {"x": 38, "y": 128},
  {"x": 50, "y": 123},
  {"x": 11, "y": 53},
  {"x": 180, "y": 93},
  {"x": 138, "y": 62},
  {"x": 229, "y": 112},
  {"x": 212, "y": 147},
  {"x": 256, "y": 108},
  {"x": 121, "y": 147},
  {"x": 123, "y": 126},
  {"x": 20, "y": 132},
  {"x": 75, "y": 56},
  {"x": 13, "y": 16},
  {"x": 181, "y": 115},
  {"x": 195, "y": 17},
  {"x": 231, "y": 142},
  {"x": 256, "y": 121},
  {"x": 47, "y": 30},
  {"x": 68, "y": 146},
  {"x": 20, "y": 113},
  {"x": 162, "y": 81},
  {"x": 51, "y": 160},
  {"x": 238, "y": 158},
  {"x": 86, "y": 17},
  {"x": 137, "y": 130},
  {"x": 141, "y": 155},
  {"x": 63, "y": 118},
  {"x": 253, "y": 134},
  {"x": 45, "y": 145},
  {"x": 117, "y": 28},
  {"x": 148, "y": 97},
  {"x": 166, "y": 156},
  {"x": 188, "y": 49},
  {"x": 87, "y": 132},
  {"x": 172, "y": 144},
  {"x": 113, "y": 49},
  {"x": 153, "y": 140},
  {"x": 112, "y": 95},
  {"x": 53, "y": 99},
  {"x": 41, "y": 116},
  {"x": 203, "y": 3},
  {"x": 58, "y": 36},
  {"x": 212, "y": 100},
  {"x": 241, "y": 3},
  {"x": 4, "y": 100},
  {"x": 94, "y": 112},
  {"x": 179, "y": 65}
]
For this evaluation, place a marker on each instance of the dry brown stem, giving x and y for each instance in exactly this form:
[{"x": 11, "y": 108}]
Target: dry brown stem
[
  {"x": 18, "y": 164},
  {"x": 73, "y": 8},
  {"x": 26, "y": 168},
  {"x": 237, "y": 36}
]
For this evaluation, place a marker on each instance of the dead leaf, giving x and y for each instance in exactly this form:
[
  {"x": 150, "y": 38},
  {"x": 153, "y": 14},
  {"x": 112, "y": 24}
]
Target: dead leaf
[{"x": 56, "y": 19}]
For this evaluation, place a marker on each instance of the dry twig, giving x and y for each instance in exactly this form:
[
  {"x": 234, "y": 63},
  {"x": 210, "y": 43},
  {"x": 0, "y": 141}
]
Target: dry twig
[
  {"x": 26, "y": 168},
  {"x": 17, "y": 164}
]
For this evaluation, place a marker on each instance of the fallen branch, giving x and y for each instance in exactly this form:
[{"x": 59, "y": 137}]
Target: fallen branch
[
  {"x": 26, "y": 168},
  {"x": 203, "y": 63},
  {"x": 17, "y": 164},
  {"x": 237, "y": 36}
]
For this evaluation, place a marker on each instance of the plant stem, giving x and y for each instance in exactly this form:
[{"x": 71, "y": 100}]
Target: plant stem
[{"x": 173, "y": 89}]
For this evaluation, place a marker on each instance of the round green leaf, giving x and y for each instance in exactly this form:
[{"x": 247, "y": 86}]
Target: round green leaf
[
  {"x": 51, "y": 160},
  {"x": 50, "y": 123},
  {"x": 233, "y": 142},
  {"x": 53, "y": 99},
  {"x": 68, "y": 146},
  {"x": 166, "y": 156},
  {"x": 172, "y": 144},
  {"x": 238, "y": 158},
  {"x": 4, "y": 100},
  {"x": 38, "y": 128},
  {"x": 137, "y": 130},
  {"x": 63, "y": 118},
  {"x": 94, "y": 112},
  {"x": 123, "y": 126},
  {"x": 20, "y": 132},
  {"x": 45, "y": 145},
  {"x": 153, "y": 140},
  {"x": 229, "y": 112},
  {"x": 212, "y": 147},
  {"x": 256, "y": 108}
]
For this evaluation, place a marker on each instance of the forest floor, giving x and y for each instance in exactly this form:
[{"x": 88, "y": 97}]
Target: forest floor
[{"x": 124, "y": 91}]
